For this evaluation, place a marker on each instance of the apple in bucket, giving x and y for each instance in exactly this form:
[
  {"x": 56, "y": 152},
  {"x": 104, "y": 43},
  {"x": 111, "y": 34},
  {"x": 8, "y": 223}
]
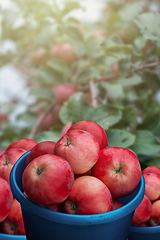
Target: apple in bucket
[{"x": 48, "y": 179}]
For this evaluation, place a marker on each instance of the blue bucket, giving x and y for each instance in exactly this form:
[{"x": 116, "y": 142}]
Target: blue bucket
[
  {"x": 11, "y": 237},
  {"x": 44, "y": 224},
  {"x": 144, "y": 233}
]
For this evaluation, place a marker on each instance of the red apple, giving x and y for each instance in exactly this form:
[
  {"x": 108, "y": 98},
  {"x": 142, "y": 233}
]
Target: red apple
[
  {"x": 25, "y": 144},
  {"x": 2, "y": 151},
  {"x": 64, "y": 52},
  {"x": 8, "y": 159},
  {"x": 95, "y": 129},
  {"x": 89, "y": 195},
  {"x": 79, "y": 148},
  {"x": 56, "y": 207},
  {"x": 64, "y": 91},
  {"x": 6, "y": 199},
  {"x": 116, "y": 204},
  {"x": 143, "y": 212},
  {"x": 155, "y": 214},
  {"x": 13, "y": 224},
  {"x": 119, "y": 169},
  {"x": 3, "y": 117},
  {"x": 40, "y": 149},
  {"x": 152, "y": 185},
  {"x": 48, "y": 179},
  {"x": 151, "y": 169},
  {"x": 97, "y": 33},
  {"x": 65, "y": 128},
  {"x": 145, "y": 224}
]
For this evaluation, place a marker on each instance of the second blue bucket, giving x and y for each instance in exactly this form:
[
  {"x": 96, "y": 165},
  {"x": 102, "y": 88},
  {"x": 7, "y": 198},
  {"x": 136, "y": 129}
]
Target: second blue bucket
[{"x": 44, "y": 224}]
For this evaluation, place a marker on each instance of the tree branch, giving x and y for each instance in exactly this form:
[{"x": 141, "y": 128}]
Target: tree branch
[
  {"x": 40, "y": 120},
  {"x": 93, "y": 93},
  {"x": 149, "y": 65}
]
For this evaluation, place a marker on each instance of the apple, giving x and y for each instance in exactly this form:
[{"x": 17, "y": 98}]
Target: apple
[
  {"x": 13, "y": 223},
  {"x": 50, "y": 119},
  {"x": 56, "y": 207},
  {"x": 114, "y": 69},
  {"x": 80, "y": 149},
  {"x": 145, "y": 224},
  {"x": 151, "y": 169},
  {"x": 2, "y": 151},
  {"x": 40, "y": 149},
  {"x": 40, "y": 56},
  {"x": 48, "y": 179},
  {"x": 65, "y": 128},
  {"x": 64, "y": 91},
  {"x": 152, "y": 185},
  {"x": 6, "y": 199},
  {"x": 3, "y": 117},
  {"x": 8, "y": 159},
  {"x": 116, "y": 204},
  {"x": 89, "y": 195},
  {"x": 25, "y": 144},
  {"x": 155, "y": 214},
  {"x": 97, "y": 33},
  {"x": 93, "y": 128},
  {"x": 64, "y": 52},
  {"x": 119, "y": 169},
  {"x": 143, "y": 212}
]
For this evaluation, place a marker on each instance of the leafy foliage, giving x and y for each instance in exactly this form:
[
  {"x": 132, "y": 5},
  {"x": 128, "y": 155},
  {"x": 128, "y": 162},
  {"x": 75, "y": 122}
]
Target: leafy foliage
[{"x": 114, "y": 62}]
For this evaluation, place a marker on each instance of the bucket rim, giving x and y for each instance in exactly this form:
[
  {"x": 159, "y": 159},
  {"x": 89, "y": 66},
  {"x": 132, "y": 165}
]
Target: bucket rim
[
  {"x": 145, "y": 230},
  {"x": 66, "y": 218},
  {"x": 12, "y": 237}
]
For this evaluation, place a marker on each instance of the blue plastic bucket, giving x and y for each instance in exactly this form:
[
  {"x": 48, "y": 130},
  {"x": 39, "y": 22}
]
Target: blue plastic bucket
[
  {"x": 144, "y": 233},
  {"x": 44, "y": 224},
  {"x": 11, "y": 237}
]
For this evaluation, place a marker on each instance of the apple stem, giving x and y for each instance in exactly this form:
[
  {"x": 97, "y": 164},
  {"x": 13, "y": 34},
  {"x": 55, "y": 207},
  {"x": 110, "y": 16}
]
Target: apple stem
[
  {"x": 119, "y": 170},
  {"x": 39, "y": 171},
  {"x": 6, "y": 162},
  {"x": 67, "y": 143}
]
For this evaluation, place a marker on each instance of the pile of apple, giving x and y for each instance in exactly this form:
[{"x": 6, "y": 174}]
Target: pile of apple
[
  {"x": 11, "y": 220},
  {"x": 79, "y": 174},
  {"x": 147, "y": 214}
]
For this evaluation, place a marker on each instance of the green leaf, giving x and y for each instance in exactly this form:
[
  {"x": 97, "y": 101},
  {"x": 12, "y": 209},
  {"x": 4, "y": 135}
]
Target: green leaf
[
  {"x": 145, "y": 143},
  {"x": 135, "y": 79},
  {"x": 74, "y": 33},
  {"x": 42, "y": 93},
  {"x": 77, "y": 109},
  {"x": 70, "y": 6},
  {"x": 78, "y": 46},
  {"x": 94, "y": 49},
  {"x": 48, "y": 76},
  {"x": 151, "y": 122},
  {"x": 154, "y": 162},
  {"x": 140, "y": 42},
  {"x": 105, "y": 115},
  {"x": 28, "y": 118},
  {"x": 88, "y": 74},
  {"x": 120, "y": 138},
  {"x": 149, "y": 25},
  {"x": 154, "y": 85},
  {"x": 129, "y": 115},
  {"x": 129, "y": 11},
  {"x": 118, "y": 49},
  {"x": 74, "y": 110},
  {"x": 48, "y": 136},
  {"x": 58, "y": 65},
  {"x": 113, "y": 91}
]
